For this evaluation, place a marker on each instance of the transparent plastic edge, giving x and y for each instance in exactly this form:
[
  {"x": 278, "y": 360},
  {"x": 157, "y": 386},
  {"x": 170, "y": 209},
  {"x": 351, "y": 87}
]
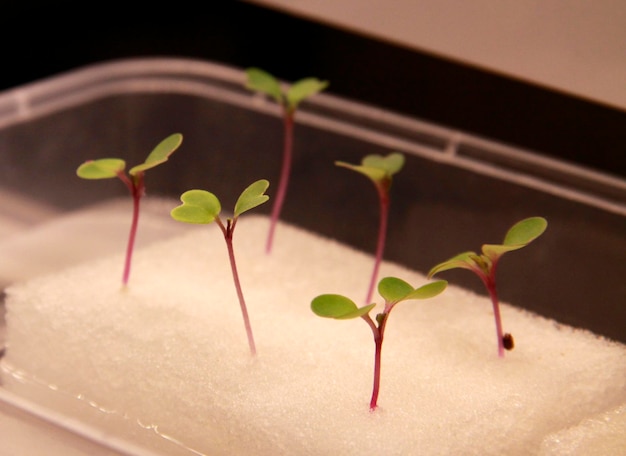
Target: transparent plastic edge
[
  {"x": 73, "y": 426},
  {"x": 226, "y": 84}
]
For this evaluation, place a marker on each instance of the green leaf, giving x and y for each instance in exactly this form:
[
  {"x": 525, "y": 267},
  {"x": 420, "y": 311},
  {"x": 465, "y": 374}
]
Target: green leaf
[
  {"x": 159, "y": 154},
  {"x": 462, "y": 260},
  {"x": 494, "y": 251},
  {"x": 393, "y": 289},
  {"x": 376, "y": 167},
  {"x": 199, "y": 206},
  {"x": 103, "y": 168},
  {"x": 261, "y": 81},
  {"x": 427, "y": 291},
  {"x": 390, "y": 164},
  {"x": 374, "y": 174},
  {"x": 519, "y": 235},
  {"x": 338, "y": 307},
  {"x": 252, "y": 197},
  {"x": 525, "y": 231},
  {"x": 303, "y": 89}
]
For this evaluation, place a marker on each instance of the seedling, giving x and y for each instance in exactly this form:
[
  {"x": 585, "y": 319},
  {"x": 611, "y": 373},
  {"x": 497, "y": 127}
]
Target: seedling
[
  {"x": 106, "y": 168},
  {"x": 380, "y": 171},
  {"x": 263, "y": 82},
  {"x": 485, "y": 265},
  {"x": 202, "y": 207},
  {"x": 393, "y": 291}
]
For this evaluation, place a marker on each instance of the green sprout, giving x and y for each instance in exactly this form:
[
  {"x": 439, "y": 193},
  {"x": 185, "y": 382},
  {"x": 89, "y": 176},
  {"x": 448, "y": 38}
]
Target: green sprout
[
  {"x": 484, "y": 266},
  {"x": 393, "y": 291},
  {"x": 202, "y": 207},
  {"x": 380, "y": 171},
  {"x": 106, "y": 168},
  {"x": 261, "y": 81}
]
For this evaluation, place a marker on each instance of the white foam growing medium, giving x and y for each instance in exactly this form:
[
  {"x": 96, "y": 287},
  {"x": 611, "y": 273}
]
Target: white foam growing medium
[
  {"x": 166, "y": 362},
  {"x": 96, "y": 230},
  {"x": 598, "y": 435}
]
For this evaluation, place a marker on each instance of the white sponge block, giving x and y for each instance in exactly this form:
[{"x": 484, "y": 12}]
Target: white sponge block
[
  {"x": 166, "y": 362},
  {"x": 599, "y": 435}
]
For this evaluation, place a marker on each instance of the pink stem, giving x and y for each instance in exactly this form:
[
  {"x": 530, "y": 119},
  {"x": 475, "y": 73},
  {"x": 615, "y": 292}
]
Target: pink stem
[
  {"x": 378, "y": 342},
  {"x": 136, "y": 188},
  {"x": 496, "y": 313},
  {"x": 288, "y": 121},
  {"x": 377, "y": 358},
  {"x": 382, "y": 235},
  {"x": 228, "y": 236},
  {"x": 490, "y": 284}
]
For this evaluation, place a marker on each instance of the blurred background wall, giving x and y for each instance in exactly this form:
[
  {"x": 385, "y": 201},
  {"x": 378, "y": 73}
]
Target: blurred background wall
[{"x": 543, "y": 75}]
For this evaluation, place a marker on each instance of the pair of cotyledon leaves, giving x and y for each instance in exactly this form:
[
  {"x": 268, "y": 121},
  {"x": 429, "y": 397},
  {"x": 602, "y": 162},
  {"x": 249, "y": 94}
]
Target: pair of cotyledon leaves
[
  {"x": 377, "y": 168},
  {"x": 202, "y": 207},
  {"x": 105, "y": 168},
  {"x": 392, "y": 289},
  {"x": 519, "y": 235},
  {"x": 261, "y": 81}
]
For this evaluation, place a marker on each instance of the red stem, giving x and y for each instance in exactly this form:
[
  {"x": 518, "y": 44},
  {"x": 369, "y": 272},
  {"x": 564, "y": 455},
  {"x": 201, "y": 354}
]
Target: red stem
[
  {"x": 496, "y": 314},
  {"x": 378, "y": 333},
  {"x": 137, "y": 189},
  {"x": 378, "y": 341},
  {"x": 228, "y": 236},
  {"x": 490, "y": 284},
  {"x": 288, "y": 121},
  {"x": 383, "y": 194}
]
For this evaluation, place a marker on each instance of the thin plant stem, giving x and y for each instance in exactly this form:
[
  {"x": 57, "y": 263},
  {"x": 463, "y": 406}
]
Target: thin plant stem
[
  {"x": 281, "y": 192},
  {"x": 383, "y": 194},
  {"x": 228, "y": 236},
  {"x": 490, "y": 284},
  {"x": 136, "y": 188},
  {"x": 378, "y": 341},
  {"x": 378, "y": 332},
  {"x": 488, "y": 277}
]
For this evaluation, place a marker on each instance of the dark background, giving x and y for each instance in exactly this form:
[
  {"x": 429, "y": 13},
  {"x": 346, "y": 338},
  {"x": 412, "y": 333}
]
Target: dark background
[{"x": 42, "y": 41}]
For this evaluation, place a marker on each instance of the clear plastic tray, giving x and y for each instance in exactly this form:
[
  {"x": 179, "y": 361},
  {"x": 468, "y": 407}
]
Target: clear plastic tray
[{"x": 455, "y": 193}]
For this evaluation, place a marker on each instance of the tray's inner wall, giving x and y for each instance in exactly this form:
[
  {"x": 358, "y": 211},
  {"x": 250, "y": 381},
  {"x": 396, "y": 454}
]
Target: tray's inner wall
[{"x": 573, "y": 273}]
